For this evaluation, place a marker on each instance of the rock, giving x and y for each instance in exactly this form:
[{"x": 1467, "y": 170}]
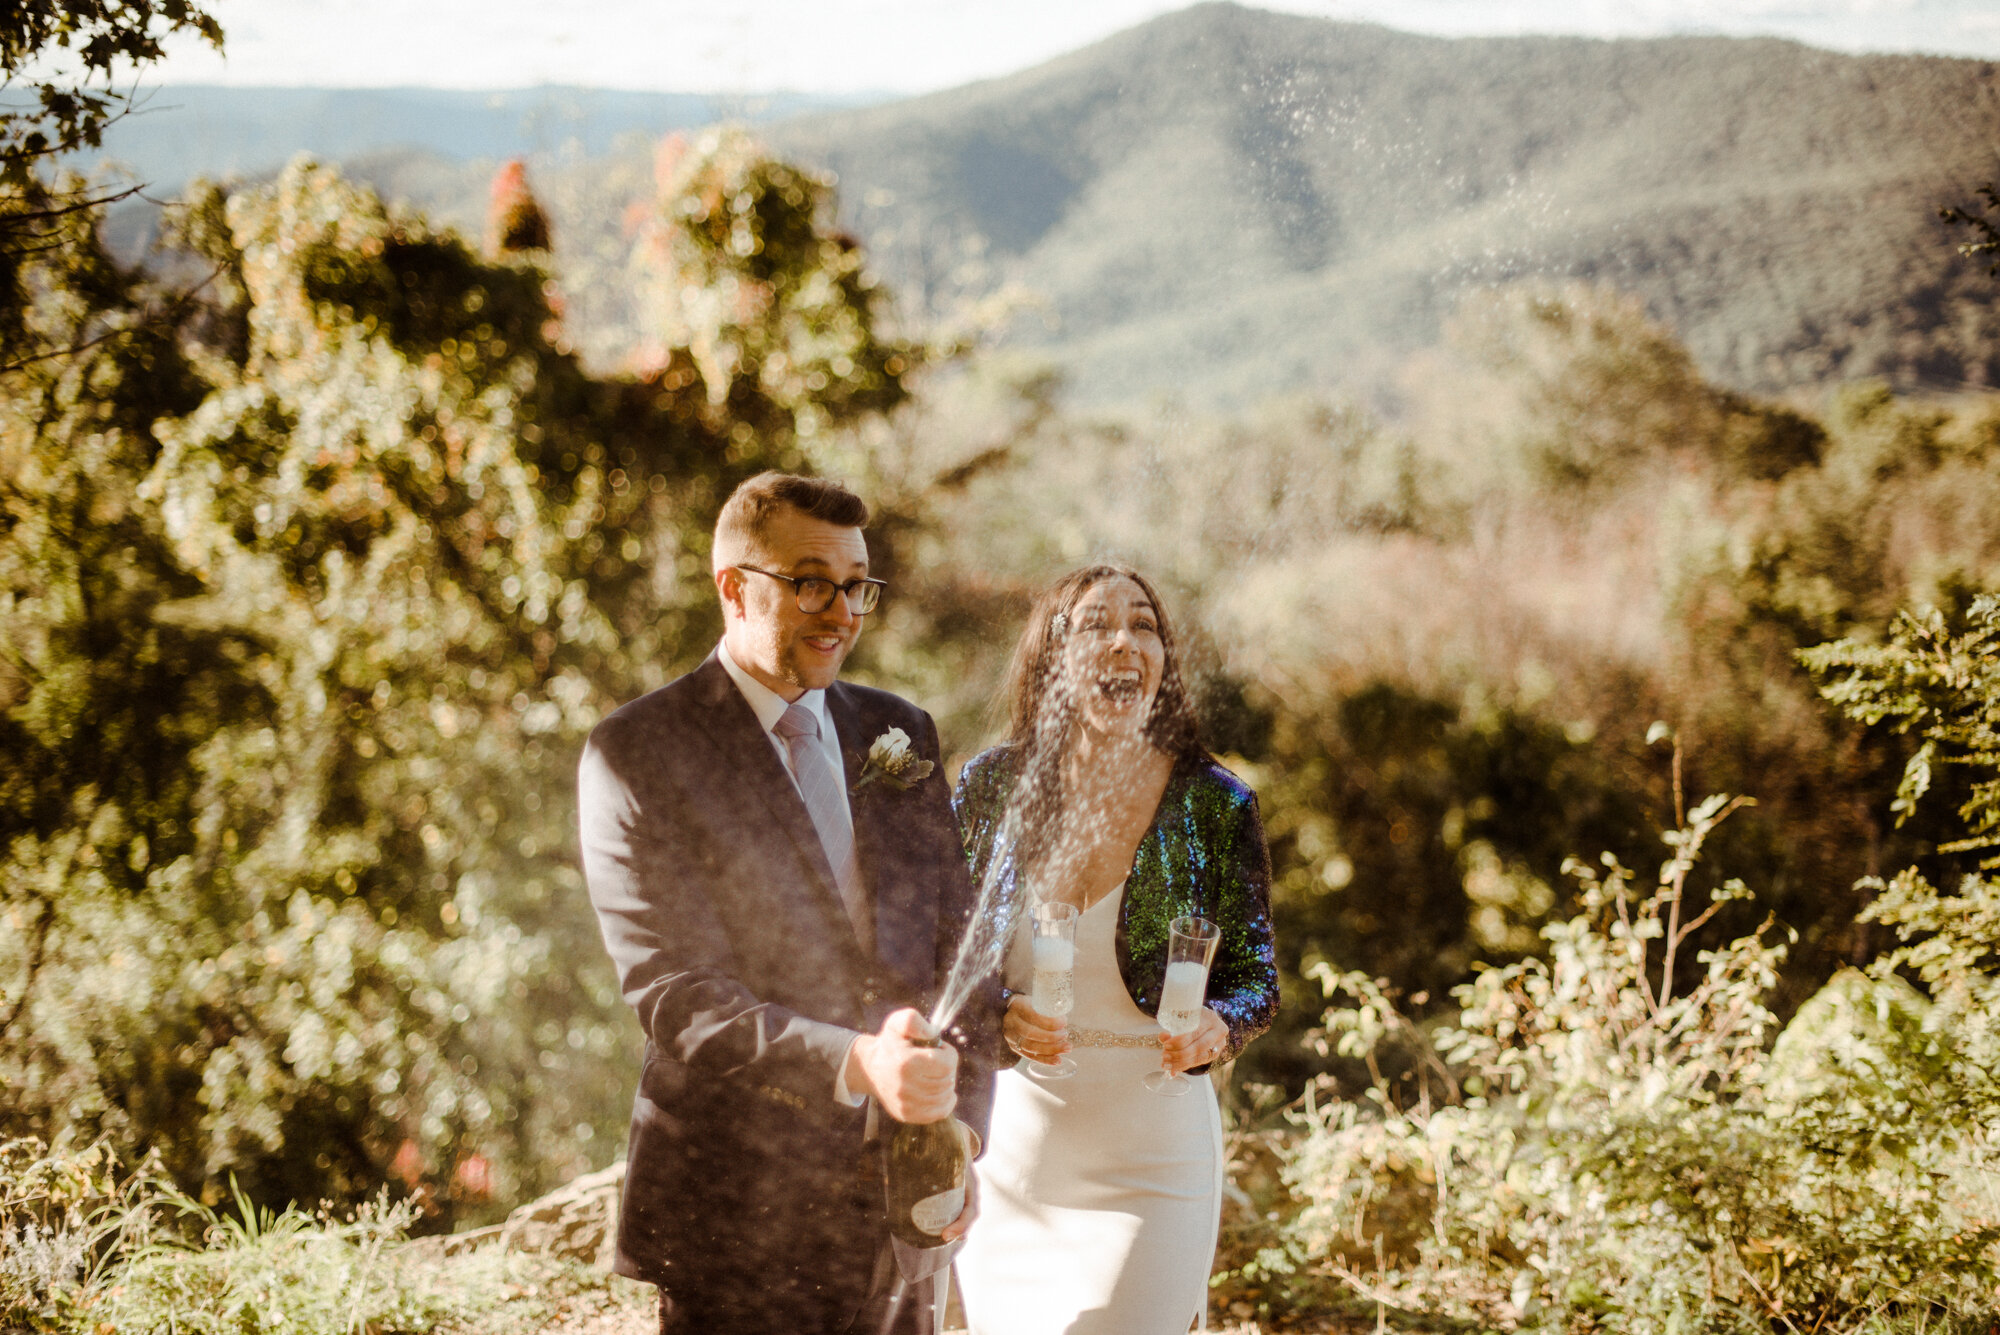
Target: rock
[
  {"x": 1856, "y": 1029},
  {"x": 457, "y": 1244},
  {"x": 578, "y": 1221}
]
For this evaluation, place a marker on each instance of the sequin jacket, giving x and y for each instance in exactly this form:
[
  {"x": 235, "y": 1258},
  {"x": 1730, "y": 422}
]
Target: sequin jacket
[{"x": 1204, "y": 853}]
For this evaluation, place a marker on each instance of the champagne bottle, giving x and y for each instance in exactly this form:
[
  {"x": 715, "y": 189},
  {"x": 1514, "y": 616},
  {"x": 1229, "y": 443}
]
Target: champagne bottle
[{"x": 924, "y": 1170}]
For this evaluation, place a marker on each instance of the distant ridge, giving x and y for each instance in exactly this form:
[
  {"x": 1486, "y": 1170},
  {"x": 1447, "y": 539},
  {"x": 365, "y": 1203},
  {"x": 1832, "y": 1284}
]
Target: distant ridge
[
  {"x": 188, "y": 130},
  {"x": 1226, "y": 202}
]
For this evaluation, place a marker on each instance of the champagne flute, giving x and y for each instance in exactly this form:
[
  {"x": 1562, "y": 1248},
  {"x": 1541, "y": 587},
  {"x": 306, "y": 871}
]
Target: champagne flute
[
  {"x": 1191, "y": 943},
  {"x": 1053, "y": 945}
]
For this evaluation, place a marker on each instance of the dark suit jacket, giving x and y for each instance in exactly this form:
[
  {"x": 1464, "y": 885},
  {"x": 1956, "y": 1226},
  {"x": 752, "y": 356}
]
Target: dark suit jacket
[{"x": 749, "y": 1192}]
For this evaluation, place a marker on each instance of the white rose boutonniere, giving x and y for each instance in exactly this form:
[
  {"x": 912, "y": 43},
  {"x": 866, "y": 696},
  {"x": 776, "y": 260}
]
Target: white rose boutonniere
[{"x": 893, "y": 762}]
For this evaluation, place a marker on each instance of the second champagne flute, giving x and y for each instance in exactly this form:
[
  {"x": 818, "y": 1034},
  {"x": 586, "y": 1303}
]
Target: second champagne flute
[
  {"x": 1191, "y": 945},
  {"x": 1053, "y": 947}
]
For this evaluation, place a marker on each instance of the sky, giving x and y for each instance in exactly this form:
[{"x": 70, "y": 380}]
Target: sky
[{"x": 911, "y": 46}]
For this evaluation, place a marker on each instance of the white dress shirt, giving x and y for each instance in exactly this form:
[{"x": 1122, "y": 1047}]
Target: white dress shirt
[{"x": 769, "y": 707}]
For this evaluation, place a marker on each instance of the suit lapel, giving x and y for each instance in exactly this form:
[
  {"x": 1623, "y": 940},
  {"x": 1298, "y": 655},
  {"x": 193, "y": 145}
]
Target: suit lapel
[
  {"x": 850, "y": 726},
  {"x": 905, "y": 917},
  {"x": 747, "y": 753}
]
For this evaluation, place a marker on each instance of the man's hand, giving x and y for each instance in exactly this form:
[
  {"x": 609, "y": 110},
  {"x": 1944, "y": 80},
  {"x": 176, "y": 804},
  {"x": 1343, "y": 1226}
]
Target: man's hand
[{"x": 913, "y": 1084}]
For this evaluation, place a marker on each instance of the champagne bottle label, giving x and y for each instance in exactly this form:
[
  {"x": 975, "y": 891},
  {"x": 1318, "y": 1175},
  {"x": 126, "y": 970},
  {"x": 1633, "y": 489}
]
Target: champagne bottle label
[{"x": 933, "y": 1214}]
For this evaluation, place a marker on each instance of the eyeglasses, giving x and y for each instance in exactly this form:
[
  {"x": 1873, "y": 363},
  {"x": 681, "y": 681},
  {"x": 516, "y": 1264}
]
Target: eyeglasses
[{"x": 816, "y": 595}]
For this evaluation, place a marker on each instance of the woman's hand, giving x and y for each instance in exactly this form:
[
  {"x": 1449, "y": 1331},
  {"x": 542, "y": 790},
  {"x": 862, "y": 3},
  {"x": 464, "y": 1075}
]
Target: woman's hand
[
  {"x": 1032, "y": 1034},
  {"x": 1198, "y": 1047},
  {"x": 958, "y": 1227}
]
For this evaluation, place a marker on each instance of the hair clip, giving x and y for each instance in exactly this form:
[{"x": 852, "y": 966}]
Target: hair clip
[{"x": 1060, "y": 623}]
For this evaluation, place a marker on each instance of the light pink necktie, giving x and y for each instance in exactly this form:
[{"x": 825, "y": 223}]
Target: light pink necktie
[{"x": 819, "y": 785}]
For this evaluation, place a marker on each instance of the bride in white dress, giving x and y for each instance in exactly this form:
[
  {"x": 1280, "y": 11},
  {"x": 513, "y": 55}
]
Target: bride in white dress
[{"x": 1099, "y": 1198}]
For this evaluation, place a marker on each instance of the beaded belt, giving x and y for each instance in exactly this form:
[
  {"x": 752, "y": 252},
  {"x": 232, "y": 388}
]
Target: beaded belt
[{"x": 1104, "y": 1038}]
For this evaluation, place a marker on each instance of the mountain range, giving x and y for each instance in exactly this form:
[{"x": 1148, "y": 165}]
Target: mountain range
[
  {"x": 1227, "y": 203},
  {"x": 1232, "y": 202},
  {"x": 186, "y": 130}
]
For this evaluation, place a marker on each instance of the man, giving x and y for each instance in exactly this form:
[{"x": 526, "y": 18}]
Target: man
[{"x": 773, "y": 920}]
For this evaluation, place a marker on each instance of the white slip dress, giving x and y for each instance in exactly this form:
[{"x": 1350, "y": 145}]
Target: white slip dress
[{"x": 1099, "y": 1199}]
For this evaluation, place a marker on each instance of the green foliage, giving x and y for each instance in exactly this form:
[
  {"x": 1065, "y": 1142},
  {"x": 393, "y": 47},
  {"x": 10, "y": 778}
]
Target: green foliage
[
  {"x": 1939, "y": 678},
  {"x": 63, "y": 1214},
  {"x": 1593, "y": 1147},
  {"x": 1580, "y": 388},
  {"x": 1435, "y": 643},
  {"x": 54, "y": 51},
  {"x": 91, "y": 1246},
  {"x": 1942, "y": 684},
  {"x": 758, "y": 305},
  {"x": 1592, "y": 1144},
  {"x": 257, "y": 1270},
  {"x": 1419, "y": 836},
  {"x": 1899, "y": 512},
  {"x": 59, "y": 63},
  {"x": 1986, "y": 236},
  {"x": 271, "y": 990},
  {"x": 308, "y": 598}
]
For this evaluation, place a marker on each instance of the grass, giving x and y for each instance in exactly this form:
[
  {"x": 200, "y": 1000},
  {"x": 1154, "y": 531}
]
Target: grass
[
  {"x": 303, "y": 1276},
  {"x": 89, "y": 1248},
  {"x": 93, "y": 1246}
]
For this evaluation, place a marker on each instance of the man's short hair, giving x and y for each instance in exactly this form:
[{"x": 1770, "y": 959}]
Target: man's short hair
[{"x": 744, "y": 524}]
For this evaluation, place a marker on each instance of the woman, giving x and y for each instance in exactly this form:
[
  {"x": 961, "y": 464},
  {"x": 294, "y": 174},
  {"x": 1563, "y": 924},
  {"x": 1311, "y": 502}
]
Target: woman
[{"x": 1099, "y": 1198}]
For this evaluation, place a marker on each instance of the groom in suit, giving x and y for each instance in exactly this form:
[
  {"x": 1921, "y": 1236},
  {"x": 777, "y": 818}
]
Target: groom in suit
[{"x": 774, "y": 920}]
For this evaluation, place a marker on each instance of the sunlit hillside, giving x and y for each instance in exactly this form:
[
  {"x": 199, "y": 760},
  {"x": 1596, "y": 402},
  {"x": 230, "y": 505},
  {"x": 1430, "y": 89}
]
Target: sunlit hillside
[{"x": 1226, "y": 202}]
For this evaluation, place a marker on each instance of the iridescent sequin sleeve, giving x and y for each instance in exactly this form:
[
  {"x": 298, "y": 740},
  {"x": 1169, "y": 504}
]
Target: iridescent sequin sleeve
[
  {"x": 1243, "y": 981},
  {"x": 980, "y": 802},
  {"x": 1205, "y": 854}
]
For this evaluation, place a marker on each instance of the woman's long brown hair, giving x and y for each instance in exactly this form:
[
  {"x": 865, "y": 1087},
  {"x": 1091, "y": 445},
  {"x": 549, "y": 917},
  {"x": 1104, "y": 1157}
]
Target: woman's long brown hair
[{"x": 1042, "y": 716}]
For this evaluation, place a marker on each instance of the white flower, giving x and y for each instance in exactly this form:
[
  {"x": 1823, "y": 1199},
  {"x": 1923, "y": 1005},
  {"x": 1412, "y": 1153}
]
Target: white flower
[
  {"x": 891, "y": 750},
  {"x": 892, "y": 761}
]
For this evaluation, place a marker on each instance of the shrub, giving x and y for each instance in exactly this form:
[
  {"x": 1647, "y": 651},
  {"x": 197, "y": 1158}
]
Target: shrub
[
  {"x": 63, "y": 1213},
  {"x": 1592, "y": 1146},
  {"x": 89, "y": 1246}
]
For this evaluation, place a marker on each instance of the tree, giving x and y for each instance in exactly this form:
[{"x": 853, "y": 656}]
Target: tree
[
  {"x": 1573, "y": 387},
  {"x": 101, "y": 706},
  {"x": 1637, "y": 1133},
  {"x": 514, "y": 218},
  {"x": 1985, "y": 230},
  {"x": 66, "y": 57},
  {"x": 758, "y": 304},
  {"x": 290, "y": 748},
  {"x": 54, "y": 50},
  {"x": 1941, "y": 682}
]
